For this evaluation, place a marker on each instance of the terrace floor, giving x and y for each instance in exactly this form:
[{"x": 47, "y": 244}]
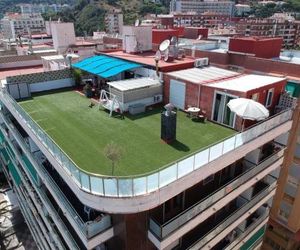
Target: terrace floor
[{"x": 83, "y": 132}]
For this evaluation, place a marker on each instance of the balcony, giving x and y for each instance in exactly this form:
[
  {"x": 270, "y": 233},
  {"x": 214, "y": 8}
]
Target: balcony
[
  {"x": 36, "y": 201},
  {"x": 88, "y": 230},
  {"x": 241, "y": 209},
  {"x": 162, "y": 229},
  {"x": 253, "y": 224}
]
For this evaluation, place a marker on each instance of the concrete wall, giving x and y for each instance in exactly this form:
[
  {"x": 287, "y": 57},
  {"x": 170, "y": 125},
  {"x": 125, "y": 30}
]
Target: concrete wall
[
  {"x": 137, "y": 35},
  {"x": 249, "y": 63},
  {"x": 159, "y": 35},
  {"x": 48, "y": 85},
  {"x": 10, "y": 62},
  {"x": 63, "y": 35},
  {"x": 194, "y": 32},
  {"x": 264, "y": 48}
]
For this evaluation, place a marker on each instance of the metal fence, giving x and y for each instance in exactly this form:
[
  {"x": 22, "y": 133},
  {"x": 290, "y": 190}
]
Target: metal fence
[{"x": 117, "y": 186}]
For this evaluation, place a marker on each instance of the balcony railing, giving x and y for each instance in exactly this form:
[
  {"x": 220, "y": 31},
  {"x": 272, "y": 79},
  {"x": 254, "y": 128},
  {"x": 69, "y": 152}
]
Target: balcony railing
[
  {"x": 227, "y": 222},
  {"x": 41, "y": 199},
  {"x": 248, "y": 230},
  {"x": 87, "y": 229},
  {"x": 161, "y": 231},
  {"x": 118, "y": 186}
]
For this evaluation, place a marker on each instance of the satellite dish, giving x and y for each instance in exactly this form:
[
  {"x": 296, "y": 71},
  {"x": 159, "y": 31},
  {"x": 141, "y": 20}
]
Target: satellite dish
[
  {"x": 174, "y": 40},
  {"x": 137, "y": 22},
  {"x": 199, "y": 37},
  {"x": 158, "y": 55},
  {"x": 164, "y": 45}
]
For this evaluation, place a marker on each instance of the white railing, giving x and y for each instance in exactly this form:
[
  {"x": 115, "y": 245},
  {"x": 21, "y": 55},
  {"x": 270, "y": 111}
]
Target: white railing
[
  {"x": 129, "y": 186},
  {"x": 88, "y": 229}
]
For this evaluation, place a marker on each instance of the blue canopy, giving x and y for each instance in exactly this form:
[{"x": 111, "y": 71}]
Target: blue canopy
[{"x": 105, "y": 66}]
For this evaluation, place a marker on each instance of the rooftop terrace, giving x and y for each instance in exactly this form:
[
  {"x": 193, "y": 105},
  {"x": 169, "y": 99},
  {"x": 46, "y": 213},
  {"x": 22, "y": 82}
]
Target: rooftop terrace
[
  {"x": 83, "y": 133},
  {"x": 148, "y": 58}
]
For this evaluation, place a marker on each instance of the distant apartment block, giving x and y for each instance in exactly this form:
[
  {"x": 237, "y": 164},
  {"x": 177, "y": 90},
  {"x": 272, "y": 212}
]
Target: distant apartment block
[
  {"x": 288, "y": 29},
  {"x": 206, "y": 20},
  {"x": 114, "y": 22},
  {"x": 242, "y": 9},
  {"x": 217, "y": 7},
  {"x": 42, "y": 8},
  {"x": 15, "y": 24}
]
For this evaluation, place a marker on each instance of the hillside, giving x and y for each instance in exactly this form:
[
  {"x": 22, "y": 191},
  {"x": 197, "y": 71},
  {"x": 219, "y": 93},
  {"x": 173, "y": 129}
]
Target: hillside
[
  {"x": 10, "y": 5},
  {"x": 88, "y": 15}
]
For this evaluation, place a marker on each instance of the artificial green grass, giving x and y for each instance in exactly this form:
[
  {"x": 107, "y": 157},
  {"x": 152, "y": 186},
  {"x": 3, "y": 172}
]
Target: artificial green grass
[{"x": 83, "y": 132}]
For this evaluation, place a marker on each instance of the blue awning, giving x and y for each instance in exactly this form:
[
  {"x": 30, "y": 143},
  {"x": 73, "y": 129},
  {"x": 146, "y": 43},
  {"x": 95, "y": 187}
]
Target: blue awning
[{"x": 105, "y": 66}]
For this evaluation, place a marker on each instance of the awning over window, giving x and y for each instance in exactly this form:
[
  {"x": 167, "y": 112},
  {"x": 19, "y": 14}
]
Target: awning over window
[{"x": 105, "y": 66}]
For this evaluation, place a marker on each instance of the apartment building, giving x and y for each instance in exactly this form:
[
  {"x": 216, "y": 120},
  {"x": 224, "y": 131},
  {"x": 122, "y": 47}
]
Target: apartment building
[
  {"x": 284, "y": 225},
  {"x": 202, "y": 6},
  {"x": 289, "y": 30},
  {"x": 211, "y": 188},
  {"x": 206, "y": 20},
  {"x": 15, "y": 24},
  {"x": 114, "y": 22},
  {"x": 42, "y": 8}
]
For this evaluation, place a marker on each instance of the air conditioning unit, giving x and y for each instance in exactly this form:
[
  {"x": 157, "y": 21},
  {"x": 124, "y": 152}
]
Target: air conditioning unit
[{"x": 201, "y": 62}]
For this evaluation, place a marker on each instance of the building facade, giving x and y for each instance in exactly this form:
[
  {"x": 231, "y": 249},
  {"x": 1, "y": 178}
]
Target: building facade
[
  {"x": 288, "y": 30},
  {"x": 200, "y": 6},
  {"x": 217, "y": 196},
  {"x": 15, "y": 24},
  {"x": 114, "y": 22},
  {"x": 207, "y": 20},
  {"x": 284, "y": 226},
  {"x": 42, "y": 8}
]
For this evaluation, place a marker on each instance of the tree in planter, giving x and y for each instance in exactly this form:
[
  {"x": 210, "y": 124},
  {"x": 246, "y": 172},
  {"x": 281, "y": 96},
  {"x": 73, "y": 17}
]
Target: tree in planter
[
  {"x": 113, "y": 152},
  {"x": 77, "y": 76},
  {"x": 87, "y": 90}
]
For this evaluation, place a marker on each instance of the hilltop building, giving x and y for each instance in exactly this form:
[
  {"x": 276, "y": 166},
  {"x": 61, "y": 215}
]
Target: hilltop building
[
  {"x": 114, "y": 22},
  {"x": 14, "y": 25},
  {"x": 217, "y": 7}
]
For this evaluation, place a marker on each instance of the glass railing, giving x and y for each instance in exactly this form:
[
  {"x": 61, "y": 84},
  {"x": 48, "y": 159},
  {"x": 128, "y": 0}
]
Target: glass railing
[
  {"x": 254, "y": 240},
  {"x": 228, "y": 221},
  {"x": 247, "y": 231},
  {"x": 162, "y": 230},
  {"x": 88, "y": 229},
  {"x": 118, "y": 186},
  {"x": 58, "y": 222}
]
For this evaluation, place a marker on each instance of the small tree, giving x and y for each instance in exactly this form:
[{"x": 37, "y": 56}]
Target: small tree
[
  {"x": 77, "y": 73},
  {"x": 113, "y": 152}
]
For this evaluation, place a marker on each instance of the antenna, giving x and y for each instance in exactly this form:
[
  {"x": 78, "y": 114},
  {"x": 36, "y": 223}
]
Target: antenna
[
  {"x": 137, "y": 23},
  {"x": 164, "y": 45}
]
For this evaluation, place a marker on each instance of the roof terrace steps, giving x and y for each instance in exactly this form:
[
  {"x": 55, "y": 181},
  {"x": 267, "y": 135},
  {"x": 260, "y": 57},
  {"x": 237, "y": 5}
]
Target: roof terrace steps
[{"x": 83, "y": 132}]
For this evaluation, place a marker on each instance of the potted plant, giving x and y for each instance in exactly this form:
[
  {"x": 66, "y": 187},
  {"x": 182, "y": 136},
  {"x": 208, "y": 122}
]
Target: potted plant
[{"x": 87, "y": 90}]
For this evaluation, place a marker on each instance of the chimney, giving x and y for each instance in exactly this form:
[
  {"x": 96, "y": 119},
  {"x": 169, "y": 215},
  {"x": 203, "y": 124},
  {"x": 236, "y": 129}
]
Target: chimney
[{"x": 168, "y": 124}]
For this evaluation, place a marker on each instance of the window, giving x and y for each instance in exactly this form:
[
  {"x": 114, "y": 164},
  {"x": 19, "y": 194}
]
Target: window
[{"x": 269, "y": 98}]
